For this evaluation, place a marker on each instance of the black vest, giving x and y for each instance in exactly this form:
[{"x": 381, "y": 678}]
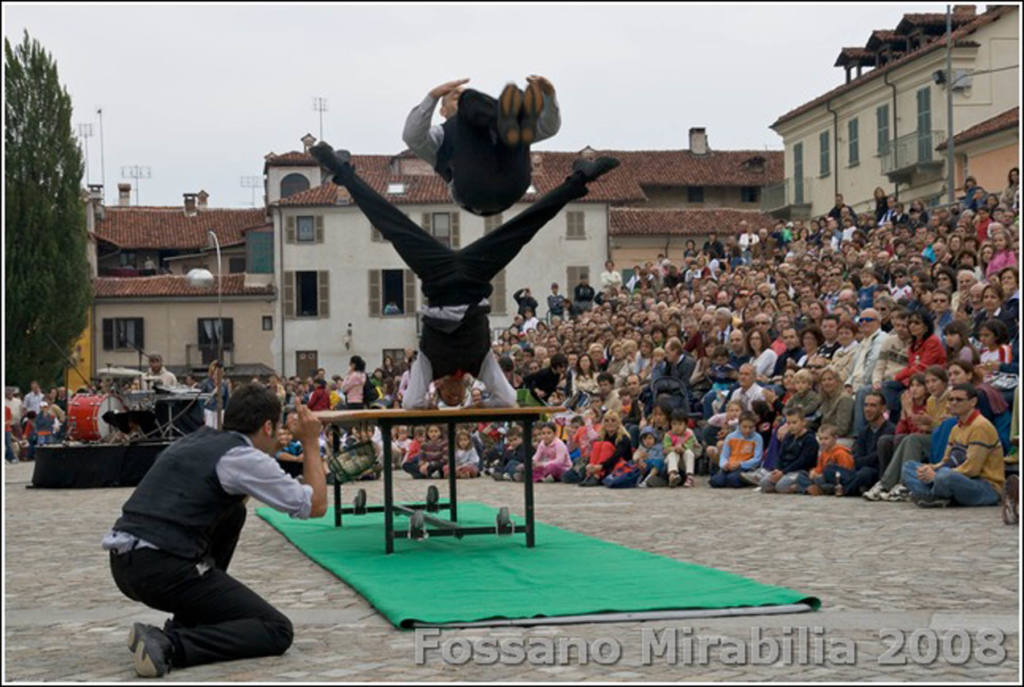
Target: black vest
[
  {"x": 463, "y": 348},
  {"x": 180, "y": 500}
]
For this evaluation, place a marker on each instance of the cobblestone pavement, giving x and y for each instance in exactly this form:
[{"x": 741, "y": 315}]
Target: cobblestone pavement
[{"x": 875, "y": 566}]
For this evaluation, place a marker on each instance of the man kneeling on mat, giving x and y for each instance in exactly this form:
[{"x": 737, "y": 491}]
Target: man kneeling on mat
[{"x": 171, "y": 547}]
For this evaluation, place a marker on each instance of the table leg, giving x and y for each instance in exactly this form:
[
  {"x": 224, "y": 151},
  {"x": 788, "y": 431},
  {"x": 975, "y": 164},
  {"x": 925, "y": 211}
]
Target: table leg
[
  {"x": 337, "y": 502},
  {"x": 451, "y": 473},
  {"x": 389, "y": 515},
  {"x": 528, "y": 479}
]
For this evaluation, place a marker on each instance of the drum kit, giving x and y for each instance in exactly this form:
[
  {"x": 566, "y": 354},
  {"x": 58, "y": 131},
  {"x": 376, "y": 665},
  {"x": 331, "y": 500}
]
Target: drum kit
[{"x": 119, "y": 414}]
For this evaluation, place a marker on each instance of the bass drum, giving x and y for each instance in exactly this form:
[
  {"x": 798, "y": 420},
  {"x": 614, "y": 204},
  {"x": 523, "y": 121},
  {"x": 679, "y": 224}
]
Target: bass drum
[{"x": 85, "y": 416}]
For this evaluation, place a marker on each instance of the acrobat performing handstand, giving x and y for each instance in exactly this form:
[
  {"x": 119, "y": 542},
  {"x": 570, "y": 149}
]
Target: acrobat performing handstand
[{"x": 455, "y": 340}]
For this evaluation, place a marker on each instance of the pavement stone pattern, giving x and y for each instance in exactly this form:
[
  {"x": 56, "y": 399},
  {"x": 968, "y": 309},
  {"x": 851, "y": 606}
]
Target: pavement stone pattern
[{"x": 874, "y": 566}]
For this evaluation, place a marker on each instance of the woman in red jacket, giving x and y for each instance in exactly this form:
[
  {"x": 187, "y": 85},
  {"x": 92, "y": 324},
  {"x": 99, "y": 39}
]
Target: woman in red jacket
[{"x": 925, "y": 349}]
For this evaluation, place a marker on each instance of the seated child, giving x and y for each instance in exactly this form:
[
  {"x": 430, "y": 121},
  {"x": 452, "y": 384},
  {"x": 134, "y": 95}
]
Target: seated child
[
  {"x": 289, "y": 456},
  {"x": 411, "y": 460},
  {"x": 400, "y": 443},
  {"x": 680, "y": 442},
  {"x": 551, "y": 459},
  {"x": 512, "y": 455},
  {"x": 831, "y": 453},
  {"x": 741, "y": 451},
  {"x": 467, "y": 460},
  {"x": 719, "y": 427},
  {"x": 583, "y": 441},
  {"x": 805, "y": 398},
  {"x": 799, "y": 451},
  {"x": 434, "y": 453},
  {"x": 722, "y": 375},
  {"x": 650, "y": 459}
]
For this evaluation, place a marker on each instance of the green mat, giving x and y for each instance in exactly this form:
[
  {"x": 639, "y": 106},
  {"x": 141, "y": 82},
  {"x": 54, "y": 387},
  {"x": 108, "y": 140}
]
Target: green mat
[{"x": 446, "y": 580}]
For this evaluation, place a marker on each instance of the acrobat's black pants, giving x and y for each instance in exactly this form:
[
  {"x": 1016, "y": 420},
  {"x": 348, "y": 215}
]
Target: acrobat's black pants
[
  {"x": 458, "y": 277},
  {"x": 487, "y": 175},
  {"x": 216, "y": 617}
]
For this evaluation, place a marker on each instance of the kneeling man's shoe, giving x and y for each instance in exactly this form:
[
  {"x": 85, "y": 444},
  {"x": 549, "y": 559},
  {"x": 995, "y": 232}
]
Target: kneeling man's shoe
[{"x": 152, "y": 650}]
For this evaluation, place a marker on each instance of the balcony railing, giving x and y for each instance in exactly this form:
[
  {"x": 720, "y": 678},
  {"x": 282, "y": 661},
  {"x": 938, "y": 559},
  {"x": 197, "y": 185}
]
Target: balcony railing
[
  {"x": 201, "y": 355},
  {"x": 792, "y": 191},
  {"x": 910, "y": 151}
]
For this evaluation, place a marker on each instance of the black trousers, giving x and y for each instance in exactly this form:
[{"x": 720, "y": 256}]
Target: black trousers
[
  {"x": 458, "y": 277},
  {"x": 215, "y": 617},
  {"x": 487, "y": 176}
]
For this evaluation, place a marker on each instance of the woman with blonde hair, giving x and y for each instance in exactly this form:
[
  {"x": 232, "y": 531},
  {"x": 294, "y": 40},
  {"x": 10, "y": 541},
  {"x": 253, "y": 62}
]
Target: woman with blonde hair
[{"x": 612, "y": 445}]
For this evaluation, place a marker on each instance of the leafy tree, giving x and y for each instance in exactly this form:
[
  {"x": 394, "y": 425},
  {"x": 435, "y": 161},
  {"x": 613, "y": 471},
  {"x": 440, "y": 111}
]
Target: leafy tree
[{"x": 48, "y": 288}]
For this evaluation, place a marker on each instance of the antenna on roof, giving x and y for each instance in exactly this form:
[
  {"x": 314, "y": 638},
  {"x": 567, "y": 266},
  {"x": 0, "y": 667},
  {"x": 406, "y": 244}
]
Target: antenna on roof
[
  {"x": 253, "y": 183},
  {"x": 103, "y": 163},
  {"x": 136, "y": 172},
  {"x": 320, "y": 105},
  {"x": 85, "y": 133}
]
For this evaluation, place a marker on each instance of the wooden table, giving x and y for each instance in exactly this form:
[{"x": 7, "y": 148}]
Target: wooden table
[{"x": 387, "y": 419}]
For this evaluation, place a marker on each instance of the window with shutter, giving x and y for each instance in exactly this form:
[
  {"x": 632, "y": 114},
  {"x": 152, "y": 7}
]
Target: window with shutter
[
  {"x": 306, "y": 229},
  {"x": 498, "y": 300},
  {"x": 260, "y": 252},
  {"x": 410, "y": 292},
  {"x": 882, "y": 122},
  {"x": 574, "y": 225},
  {"x": 319, "y": 228},
  {"x": 323, "y": 293},
  {"x": 825, "y": 166},
  {"x": 288, "y": 294},
  {"x": 454, "y": 222},
  {"x": 307, "y": 287},
  {"x": 853, "y": 134},
  {"x": 441, "y": 227},
  {"x": 374, "y": 291},
  {"x": 108, "y": 334},
  {"x": 289, "y": 230}
]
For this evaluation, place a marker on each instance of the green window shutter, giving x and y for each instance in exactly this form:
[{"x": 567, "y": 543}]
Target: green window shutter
[
  {"x": 825, "y": 166},
  {"x": 454, "y": 224},
  {"x": 319, "y": 228},
  {"x": 882, "y": 116},
  {"x": 289, "y": 230},
  {"x": 288, "y": 294},
  {"x": 409, "y": 292},
  {"x": 375, "y": 293},
  {"x": 323, "y": 293},
  {"x": 798, "y": 174},
  {"x": 854, "y": 142}
]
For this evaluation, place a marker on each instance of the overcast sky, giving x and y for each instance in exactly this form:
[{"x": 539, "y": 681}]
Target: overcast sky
[{"x": 201, "y": 93}]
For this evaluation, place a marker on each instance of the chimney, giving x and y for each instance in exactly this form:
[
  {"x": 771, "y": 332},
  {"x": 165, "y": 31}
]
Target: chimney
[
  {"x": 124, "y": 194},
  {"x": 201, "y": 199},
  {"x": 698, "y": 141},
  {"x": 96, "y": 201},
  {"x": 307, "y": 142},
  {"x": 190, "y": 204}
]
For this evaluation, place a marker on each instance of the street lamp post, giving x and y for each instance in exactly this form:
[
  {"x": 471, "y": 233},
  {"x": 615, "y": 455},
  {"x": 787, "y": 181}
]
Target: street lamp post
[
  {"x": 950, "y": 156},
  {"x": 202, "y": 278},
  {"x": 220, "y": 333}
]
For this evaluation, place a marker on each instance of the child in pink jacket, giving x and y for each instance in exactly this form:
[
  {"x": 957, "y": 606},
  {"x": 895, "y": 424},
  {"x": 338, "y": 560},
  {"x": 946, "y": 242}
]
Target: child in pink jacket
[{"x": 551, "y": 458}]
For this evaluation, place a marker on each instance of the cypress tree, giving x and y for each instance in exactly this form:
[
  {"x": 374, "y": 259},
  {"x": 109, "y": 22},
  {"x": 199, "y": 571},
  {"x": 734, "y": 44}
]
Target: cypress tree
[{"x": 48, "y": 288}]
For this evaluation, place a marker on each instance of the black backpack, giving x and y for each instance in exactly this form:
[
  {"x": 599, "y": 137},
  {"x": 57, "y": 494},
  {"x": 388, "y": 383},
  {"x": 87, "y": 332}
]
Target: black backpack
[{"x": 370, "y": 393}]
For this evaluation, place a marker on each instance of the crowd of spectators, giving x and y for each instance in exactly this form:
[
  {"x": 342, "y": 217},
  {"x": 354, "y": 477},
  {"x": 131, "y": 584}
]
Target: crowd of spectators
[{"x": 866, "y": 354}]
